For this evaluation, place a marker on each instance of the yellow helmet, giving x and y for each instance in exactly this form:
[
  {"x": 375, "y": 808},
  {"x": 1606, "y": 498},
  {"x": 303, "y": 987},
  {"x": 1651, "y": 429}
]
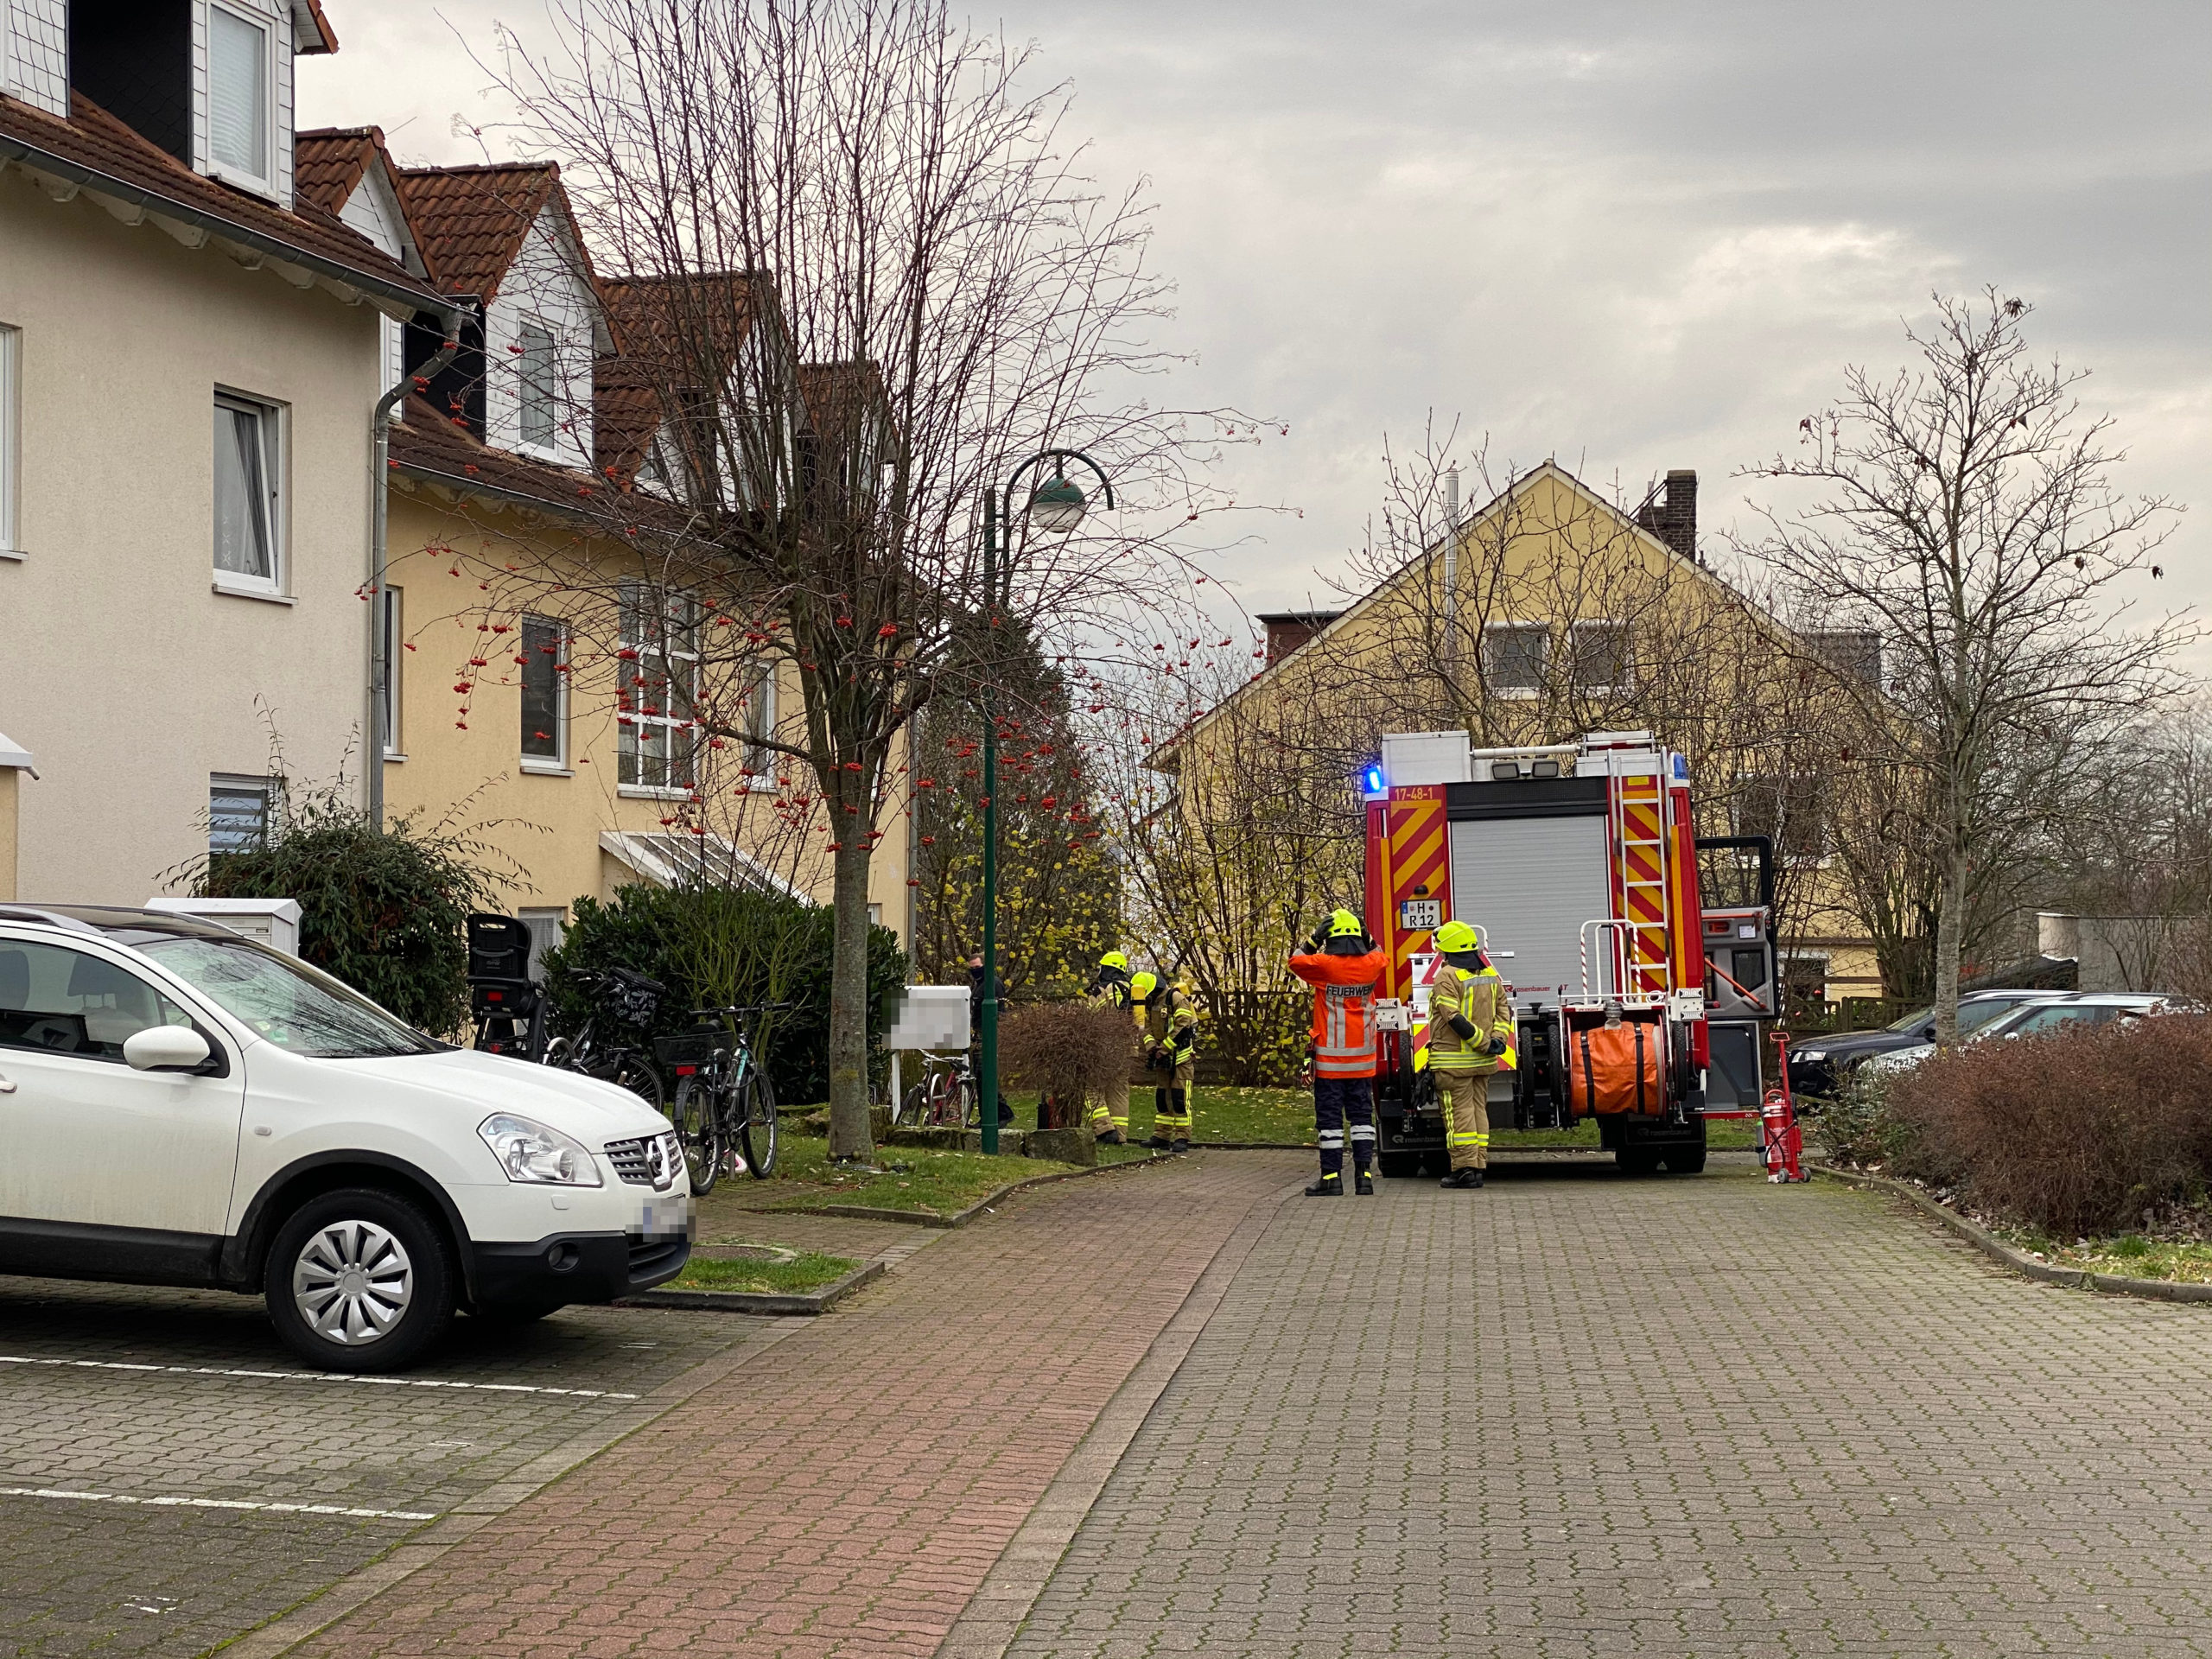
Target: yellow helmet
[
  {"x": 1114, "y": 959},
  {"x": 1344, "y": 925},
  {"x": 1142, "y": 985},
  {"x": 1455, "y": 937}
]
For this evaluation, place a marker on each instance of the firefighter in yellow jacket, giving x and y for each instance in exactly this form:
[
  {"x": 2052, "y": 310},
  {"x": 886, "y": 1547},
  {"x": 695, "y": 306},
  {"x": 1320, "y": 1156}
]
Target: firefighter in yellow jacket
[
  {"x": 1171, "y": 1047},
  {"x": 1110, "y": 1113},
  {"x": 1470, "y": 1036}
]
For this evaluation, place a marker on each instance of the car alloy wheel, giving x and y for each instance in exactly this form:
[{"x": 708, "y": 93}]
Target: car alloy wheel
[{"x": 352, "y": 1282}]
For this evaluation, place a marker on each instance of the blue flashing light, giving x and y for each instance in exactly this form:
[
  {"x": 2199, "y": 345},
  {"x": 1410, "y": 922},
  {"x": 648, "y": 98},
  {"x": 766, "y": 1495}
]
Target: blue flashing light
[{"x": 1374, "y": 780}]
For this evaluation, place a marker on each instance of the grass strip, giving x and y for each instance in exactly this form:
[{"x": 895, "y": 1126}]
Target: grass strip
[{"x": 808, "y": 1271}]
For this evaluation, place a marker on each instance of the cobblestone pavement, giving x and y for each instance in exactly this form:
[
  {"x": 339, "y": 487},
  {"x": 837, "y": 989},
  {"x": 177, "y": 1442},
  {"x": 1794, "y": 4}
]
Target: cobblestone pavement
[
  {"x": 1705, "y": 1418},
  {"x": 184, "y": 1401},
  {"x": 846, "y": 1491}
]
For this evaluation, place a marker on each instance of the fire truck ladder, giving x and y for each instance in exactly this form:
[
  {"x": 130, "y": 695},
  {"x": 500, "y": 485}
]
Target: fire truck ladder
[{"x": 1639, "y": 826}]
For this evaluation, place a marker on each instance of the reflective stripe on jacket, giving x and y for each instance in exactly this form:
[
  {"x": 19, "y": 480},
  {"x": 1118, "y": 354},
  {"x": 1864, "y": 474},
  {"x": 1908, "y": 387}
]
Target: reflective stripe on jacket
[
  {"x": 1344, "y": 1010},
  {"x": 1480, "y": 999},
  {"x": 1171, "y": 1023}
]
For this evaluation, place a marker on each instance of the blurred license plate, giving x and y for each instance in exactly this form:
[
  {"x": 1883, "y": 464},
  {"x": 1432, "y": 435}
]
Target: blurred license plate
[{"x": 667, "y": 1217}]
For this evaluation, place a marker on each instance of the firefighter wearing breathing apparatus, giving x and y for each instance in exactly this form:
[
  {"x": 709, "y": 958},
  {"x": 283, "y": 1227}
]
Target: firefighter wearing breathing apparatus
[
  {"x": 1170, "y": 1052},
  {"x": 1109, "y": 1113},
  {"x": 1344, "y": 966},
  {"x": 1469, "y": 1037}
]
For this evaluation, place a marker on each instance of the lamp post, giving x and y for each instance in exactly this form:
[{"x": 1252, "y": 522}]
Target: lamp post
[{"x": 1056, "y": 507}]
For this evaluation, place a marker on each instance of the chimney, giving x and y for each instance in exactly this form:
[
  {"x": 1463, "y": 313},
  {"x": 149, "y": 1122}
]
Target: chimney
[
  {"x": 1289, "y": 630},
  {"x": 1671, "y": 514}
]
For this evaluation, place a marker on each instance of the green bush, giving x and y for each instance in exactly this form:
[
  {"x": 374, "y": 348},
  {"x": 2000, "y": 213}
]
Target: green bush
[
  {"x": 384, "y": 912},
  {"x": 722, "y": 947}
]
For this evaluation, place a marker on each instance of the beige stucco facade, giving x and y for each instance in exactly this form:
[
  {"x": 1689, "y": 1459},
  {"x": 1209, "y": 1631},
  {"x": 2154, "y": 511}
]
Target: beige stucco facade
[
  {"x": 463, "y": 751},
  {"x": 121, "y": 668}
]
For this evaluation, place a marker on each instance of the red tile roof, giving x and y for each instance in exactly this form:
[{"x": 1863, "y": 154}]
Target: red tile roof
[
  {"x": 469, "y": 221},
  {"x": 95, "y": 150},
  {"x": 662, "y": 326},
  {"x": 312, "y": 34},
  {"x": 430, "y": 443},
  {"x": 328, "y": 162}
]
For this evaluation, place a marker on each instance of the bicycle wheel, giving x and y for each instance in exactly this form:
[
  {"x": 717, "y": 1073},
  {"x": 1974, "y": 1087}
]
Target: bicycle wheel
[
  {"x": 966, "y": 1113},
  {"x": 699, "y": 1126},
  {"x": 627, "y": 1069},
  {"x": 756, "y": 1131}
]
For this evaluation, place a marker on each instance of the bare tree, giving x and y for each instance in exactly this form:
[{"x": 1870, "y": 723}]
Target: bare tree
[
  {"x": 1964, "y": 514},
  {"x": 859, "y": 277}
]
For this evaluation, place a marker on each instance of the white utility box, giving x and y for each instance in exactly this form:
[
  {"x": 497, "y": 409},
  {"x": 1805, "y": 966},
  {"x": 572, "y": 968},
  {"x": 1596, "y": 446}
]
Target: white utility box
[
  {"x": 929, "y": 1016},
  {"x": 275, "y": 922}
]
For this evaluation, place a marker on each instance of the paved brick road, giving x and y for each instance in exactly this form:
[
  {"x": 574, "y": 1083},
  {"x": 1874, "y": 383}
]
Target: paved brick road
[
  {"x": 845, "y": 1492},
  {"x": 138, "y": 1394},
  {"x": 1685, "y": 1418}
]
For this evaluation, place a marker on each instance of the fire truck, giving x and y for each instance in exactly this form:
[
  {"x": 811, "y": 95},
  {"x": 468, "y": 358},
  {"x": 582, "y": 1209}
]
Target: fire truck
[{"x": 1635, "y": 1003}]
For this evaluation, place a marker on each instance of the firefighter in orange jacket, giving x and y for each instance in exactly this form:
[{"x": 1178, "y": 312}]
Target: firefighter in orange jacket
[{"x": 1344, "y": 966}]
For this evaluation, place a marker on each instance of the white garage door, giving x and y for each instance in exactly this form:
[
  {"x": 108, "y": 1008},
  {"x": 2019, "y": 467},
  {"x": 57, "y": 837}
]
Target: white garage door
[{"x": 1529, "y": 884}]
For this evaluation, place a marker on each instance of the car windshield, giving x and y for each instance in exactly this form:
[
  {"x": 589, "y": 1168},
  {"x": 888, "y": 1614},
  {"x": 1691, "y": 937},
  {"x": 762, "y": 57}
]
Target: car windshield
[
  {"x": 1917, "y": 1018},
  {"x": 1973, "y": 1016},
  {"x": 292, "y": 1005},
  {"x": 2051, "y": 1015}
]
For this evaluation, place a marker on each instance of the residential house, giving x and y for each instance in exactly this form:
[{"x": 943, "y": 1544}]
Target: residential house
[
  {"x": 191, "y": 348},
  {"x": 551, "y": 679},
  {"x": 1550, "y": 612}
]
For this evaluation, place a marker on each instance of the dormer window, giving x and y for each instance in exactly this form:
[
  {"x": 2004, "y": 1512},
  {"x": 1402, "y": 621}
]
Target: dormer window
[
  {"x": 540, "y": 378},
  {"x": 240, "y": 68}
]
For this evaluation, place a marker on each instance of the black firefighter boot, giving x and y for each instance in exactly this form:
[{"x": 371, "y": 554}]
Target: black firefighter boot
[
  {"x": 1463, "y": 1177},
  {"x": 1362, "y": 1182},
  {"x": 1331, "y": 1185}
]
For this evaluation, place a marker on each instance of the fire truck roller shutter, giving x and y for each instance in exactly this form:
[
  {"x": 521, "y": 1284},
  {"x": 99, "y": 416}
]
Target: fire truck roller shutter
[{"x": 1531, "y": 883}]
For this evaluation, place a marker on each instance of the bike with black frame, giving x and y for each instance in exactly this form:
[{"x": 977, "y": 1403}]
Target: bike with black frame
[
  {"x": 622, "y": 1001},
  {"x": 725, "y": 1110}
]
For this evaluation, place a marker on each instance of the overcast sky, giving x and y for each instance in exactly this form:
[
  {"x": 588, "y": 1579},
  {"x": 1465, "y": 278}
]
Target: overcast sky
[{"x": 1632, "y": 236}]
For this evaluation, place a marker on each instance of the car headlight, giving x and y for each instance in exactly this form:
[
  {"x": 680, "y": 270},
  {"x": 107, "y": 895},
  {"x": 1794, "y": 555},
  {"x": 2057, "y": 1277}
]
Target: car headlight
[
  {"x": 528, "y": 1151},
  {"x": 1813, "y": 1055}
]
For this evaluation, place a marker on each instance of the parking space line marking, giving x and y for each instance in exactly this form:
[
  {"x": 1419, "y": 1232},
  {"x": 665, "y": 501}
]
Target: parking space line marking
[
  {"x": 219, "y": 1503},
  {"x": 316, "y": 1376}
]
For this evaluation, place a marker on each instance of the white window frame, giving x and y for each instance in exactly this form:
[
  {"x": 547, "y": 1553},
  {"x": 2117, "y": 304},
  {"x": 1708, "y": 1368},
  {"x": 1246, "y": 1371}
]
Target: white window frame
[
  {"x": 1591, "y": 625},
  {"x": 543, "y": 920},
  {"x": 264, "y": 183},
  {"x": 679, "y": 616},
  {"x": 1544, "y": 660},
  {"x": 392, "y": 617},
  {"x": 551, "y": 442},
  {"x": 555, "y": 764},
  {"x": 760, "y": 716},
  {"x": 11, "y": 426},
  {"x": 276, "y": 445}
]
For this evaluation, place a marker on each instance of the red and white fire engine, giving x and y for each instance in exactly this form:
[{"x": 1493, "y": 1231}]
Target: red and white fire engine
[{"x": 1577, "y": 863}]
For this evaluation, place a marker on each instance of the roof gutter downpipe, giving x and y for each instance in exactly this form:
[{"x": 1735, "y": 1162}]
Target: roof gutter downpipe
[
  {"x": 379, "y": 517},
  {"x": 1451, "y": 567}
]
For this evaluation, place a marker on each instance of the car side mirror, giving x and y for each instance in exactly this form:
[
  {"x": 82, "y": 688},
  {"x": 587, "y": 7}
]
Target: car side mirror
[
  {"x": 165, "y": 1048},
  {"x": 1927, "y": 1035}
]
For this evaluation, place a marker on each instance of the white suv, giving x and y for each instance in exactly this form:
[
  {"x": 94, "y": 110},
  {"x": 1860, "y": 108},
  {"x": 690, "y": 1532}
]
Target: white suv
[{"x": 180, "y": 1105}]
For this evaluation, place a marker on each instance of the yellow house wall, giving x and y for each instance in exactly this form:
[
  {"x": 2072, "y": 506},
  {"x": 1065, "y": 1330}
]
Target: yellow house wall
[
  {"x": 1557, "y": 524},
  {"x": 121, "y": 668},
  {"x": 548, "y": 823}
]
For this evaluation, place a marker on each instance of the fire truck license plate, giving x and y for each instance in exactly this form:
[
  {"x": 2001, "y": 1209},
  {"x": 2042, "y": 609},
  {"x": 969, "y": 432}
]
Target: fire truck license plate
[{"x": 1415, "y": 913}]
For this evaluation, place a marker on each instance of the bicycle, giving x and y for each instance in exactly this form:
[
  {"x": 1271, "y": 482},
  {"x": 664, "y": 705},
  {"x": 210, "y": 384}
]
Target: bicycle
[
  {"x": 725, "y": 1108},
  {"x": 945, "y": 1099},
  {"x": 631, "y": 999}
]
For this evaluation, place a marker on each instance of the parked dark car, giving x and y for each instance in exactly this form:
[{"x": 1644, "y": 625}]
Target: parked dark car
[{"x": 1819, "y": 1064}]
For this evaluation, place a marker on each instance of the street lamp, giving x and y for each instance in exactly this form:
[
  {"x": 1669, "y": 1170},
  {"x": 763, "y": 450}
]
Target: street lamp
[{"x": 1056, "y": 507}]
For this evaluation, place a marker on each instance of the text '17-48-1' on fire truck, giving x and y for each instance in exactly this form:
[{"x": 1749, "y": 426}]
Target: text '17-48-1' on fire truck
[{"x": 1577, "y": 863}]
